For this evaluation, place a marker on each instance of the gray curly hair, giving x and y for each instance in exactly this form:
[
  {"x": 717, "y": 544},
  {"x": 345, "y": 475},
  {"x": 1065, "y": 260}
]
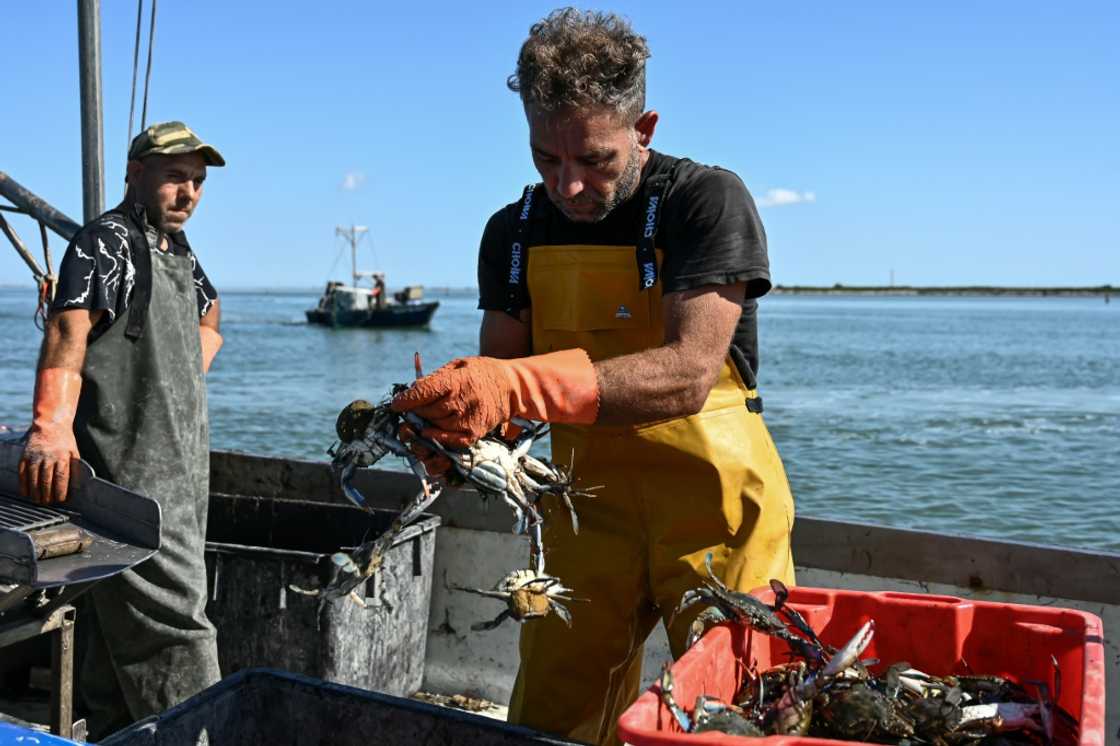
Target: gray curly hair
[{"x": 574, "y": 59}]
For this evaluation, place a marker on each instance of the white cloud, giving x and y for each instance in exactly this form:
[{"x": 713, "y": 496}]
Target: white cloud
[
  {"x": 352, "y": 180},
  {"x": 780, "y": 197}
]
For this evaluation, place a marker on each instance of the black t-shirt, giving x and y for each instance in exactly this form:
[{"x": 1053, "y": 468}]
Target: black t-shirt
[
  {"x": 709, "y": 231},
  {"x": 97, "y": 272}
]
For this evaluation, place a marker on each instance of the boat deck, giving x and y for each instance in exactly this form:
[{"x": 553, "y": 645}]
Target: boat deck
[{"x": 474, "y": 546}]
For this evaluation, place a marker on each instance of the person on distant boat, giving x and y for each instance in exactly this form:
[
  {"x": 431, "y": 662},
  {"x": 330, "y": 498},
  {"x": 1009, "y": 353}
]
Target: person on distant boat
[
  {"x": 620, "y": 304},
  {"x": 379, "y": 289},
  {"x": 132, "y": 331}
]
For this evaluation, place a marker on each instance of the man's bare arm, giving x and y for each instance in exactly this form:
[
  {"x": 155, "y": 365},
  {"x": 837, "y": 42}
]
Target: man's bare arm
[
  {"x": 44, "y": 469},
  {"x": 209, "y": 335},
  {"x": 213, "y": 315},
  {"x": 505, "y": 337},
  {"x": 673, "y": 380},
  {"x": 466, "y": 400},
  {"x": 65, "y": 339}
]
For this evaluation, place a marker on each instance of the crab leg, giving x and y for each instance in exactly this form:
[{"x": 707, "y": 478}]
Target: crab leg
[
  {"x": 536, "y": 548},
  {"x": 560, "y": 609},
  {"x": 418, "y": 505},
  {"x": 479, "y": 592},
  {"x": 492, "y": 624},
  {"x": 566, "y": 497}
]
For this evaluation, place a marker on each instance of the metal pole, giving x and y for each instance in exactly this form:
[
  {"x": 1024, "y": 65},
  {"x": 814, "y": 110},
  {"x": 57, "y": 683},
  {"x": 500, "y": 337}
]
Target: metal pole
[
  {"x": 62, "y": 675},
  {"x": 354, "y": 255},
  {"x": 37, "y": 207},
  {"x": 28, "y": 259},
  {"x": 89, "y": 72}
]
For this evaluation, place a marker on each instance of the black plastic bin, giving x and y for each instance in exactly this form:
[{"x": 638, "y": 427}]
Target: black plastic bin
[
  {"x": 260, "y": 706},
  {"x": 257, "y": 548}
]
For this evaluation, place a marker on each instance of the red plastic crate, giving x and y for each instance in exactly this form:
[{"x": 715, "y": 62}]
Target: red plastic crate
[{"x": 940, "y": 635}]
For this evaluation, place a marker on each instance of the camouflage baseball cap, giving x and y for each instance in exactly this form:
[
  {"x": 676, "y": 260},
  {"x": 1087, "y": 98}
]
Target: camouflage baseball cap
[{"x": 172, "y": 138}]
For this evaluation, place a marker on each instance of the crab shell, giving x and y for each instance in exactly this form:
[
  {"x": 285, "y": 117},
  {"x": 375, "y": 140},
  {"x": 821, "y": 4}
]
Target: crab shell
[
  {"x": 528, "y": 593},
  {"x": 353, "y": 420},
  {"x": 519, "y": 580},
  {"x": 526, "y": 603},
  {"x": 492, "y": 466},
  {"x": 537, "y": 469}
]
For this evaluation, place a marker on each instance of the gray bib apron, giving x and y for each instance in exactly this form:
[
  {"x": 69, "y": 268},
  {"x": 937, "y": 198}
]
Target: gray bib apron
[{"x": 142, "y": 423}]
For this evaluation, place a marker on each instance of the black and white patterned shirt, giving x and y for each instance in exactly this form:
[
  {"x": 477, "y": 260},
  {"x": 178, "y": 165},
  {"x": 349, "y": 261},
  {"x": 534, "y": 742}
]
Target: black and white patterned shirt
[{"x": 97, "y": 272}]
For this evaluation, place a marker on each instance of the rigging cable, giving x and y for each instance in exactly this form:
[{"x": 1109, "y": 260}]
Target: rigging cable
[
  {"x": 48, "y": 285},
  {"x": 135, "y": 69},
  {"x": 335, "y": 262},
  {"x": 148, "y": 74}
]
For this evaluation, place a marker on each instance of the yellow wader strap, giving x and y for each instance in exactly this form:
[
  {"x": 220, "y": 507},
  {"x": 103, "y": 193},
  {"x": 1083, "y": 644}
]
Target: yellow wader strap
[
  {"x": 645, "y": 253},
  {"x": 517, "y": 283}
]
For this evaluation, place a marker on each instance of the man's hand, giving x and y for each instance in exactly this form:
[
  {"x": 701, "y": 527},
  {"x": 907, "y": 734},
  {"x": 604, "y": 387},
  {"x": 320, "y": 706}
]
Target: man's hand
[
  {"x": 435, "y": 463},
  {"x": 469, "y": 397},
  {"x": 463, "y": 400},
  {"x": 44, "y": 469}
]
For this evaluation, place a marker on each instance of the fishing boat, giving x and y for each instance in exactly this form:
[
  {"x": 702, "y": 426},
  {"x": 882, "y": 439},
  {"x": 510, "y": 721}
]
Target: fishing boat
[
  {"x": 472, "y": 546},
  {"x": 357, "y": 305}
]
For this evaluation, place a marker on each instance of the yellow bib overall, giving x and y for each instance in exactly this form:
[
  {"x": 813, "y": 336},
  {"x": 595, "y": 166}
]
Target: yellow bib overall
[{"x": 672, "y": 491}]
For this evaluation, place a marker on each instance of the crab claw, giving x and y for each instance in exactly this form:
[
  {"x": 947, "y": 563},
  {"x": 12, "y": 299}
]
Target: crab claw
[
  {"x": 343, "y": 469},
  {"x": 846, "y": 656},
  {"x": 706, "y": 619},
  {"x": 666, "y": 686},
  {"x": 688, "y": 598},
  {"x": 708, "y": 564},
  {"x": 781, "y": 593}
]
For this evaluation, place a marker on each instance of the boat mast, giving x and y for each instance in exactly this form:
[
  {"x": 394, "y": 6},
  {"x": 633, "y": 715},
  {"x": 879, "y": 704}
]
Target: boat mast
[
  {"x": 89, "y": 73},
  {"x": 353, "y": 234}
]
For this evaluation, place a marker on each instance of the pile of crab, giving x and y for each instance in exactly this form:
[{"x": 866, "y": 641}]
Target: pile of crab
[
  {"x": 831, "y": 693},
  {"x": 495, "y": 468}
]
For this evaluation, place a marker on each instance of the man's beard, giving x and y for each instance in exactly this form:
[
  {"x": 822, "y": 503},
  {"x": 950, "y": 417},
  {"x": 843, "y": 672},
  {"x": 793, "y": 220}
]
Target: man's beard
[
  {"x": 625, "y": 188},
  {"x": 627, "y": 182},
  {"x": 165, "y": 223}
]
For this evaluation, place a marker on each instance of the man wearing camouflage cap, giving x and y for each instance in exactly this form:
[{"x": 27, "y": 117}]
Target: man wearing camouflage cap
[{"x": 132, "y": 331}]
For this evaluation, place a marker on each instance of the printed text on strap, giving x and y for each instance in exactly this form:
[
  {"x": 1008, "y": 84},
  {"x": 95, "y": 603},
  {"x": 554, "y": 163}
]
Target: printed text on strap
[
  {"x": 656, "y": 189},
  {"x": 517, "y": 286}
]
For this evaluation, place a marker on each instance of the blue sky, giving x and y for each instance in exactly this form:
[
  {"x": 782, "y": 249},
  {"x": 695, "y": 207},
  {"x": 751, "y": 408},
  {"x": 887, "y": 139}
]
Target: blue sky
[{"x": 949, "y": 142}]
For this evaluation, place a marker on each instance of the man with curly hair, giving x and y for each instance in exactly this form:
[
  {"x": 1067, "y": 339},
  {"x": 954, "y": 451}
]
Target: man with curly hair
[{"x": 620, "y": 305}]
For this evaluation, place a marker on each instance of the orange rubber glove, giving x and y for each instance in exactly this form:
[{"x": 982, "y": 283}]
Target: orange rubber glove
[
  {"x": 44, "y": 469},
  {"x": 469, "y": 397},
  {"x": 509, "y": 432},
  {"x": 436, "y": 464},
  {"x": 211, "y": 343}
]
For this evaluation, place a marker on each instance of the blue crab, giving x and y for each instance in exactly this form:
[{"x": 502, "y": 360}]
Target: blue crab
[
  {"x": 528, "y": 595},
  {"x": 726, "y": 605},
  {"x": 496, "y": 469}
]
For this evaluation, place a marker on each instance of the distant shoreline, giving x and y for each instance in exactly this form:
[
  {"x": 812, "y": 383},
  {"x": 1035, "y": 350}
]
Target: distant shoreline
[{"x": 951, "y": 290}]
